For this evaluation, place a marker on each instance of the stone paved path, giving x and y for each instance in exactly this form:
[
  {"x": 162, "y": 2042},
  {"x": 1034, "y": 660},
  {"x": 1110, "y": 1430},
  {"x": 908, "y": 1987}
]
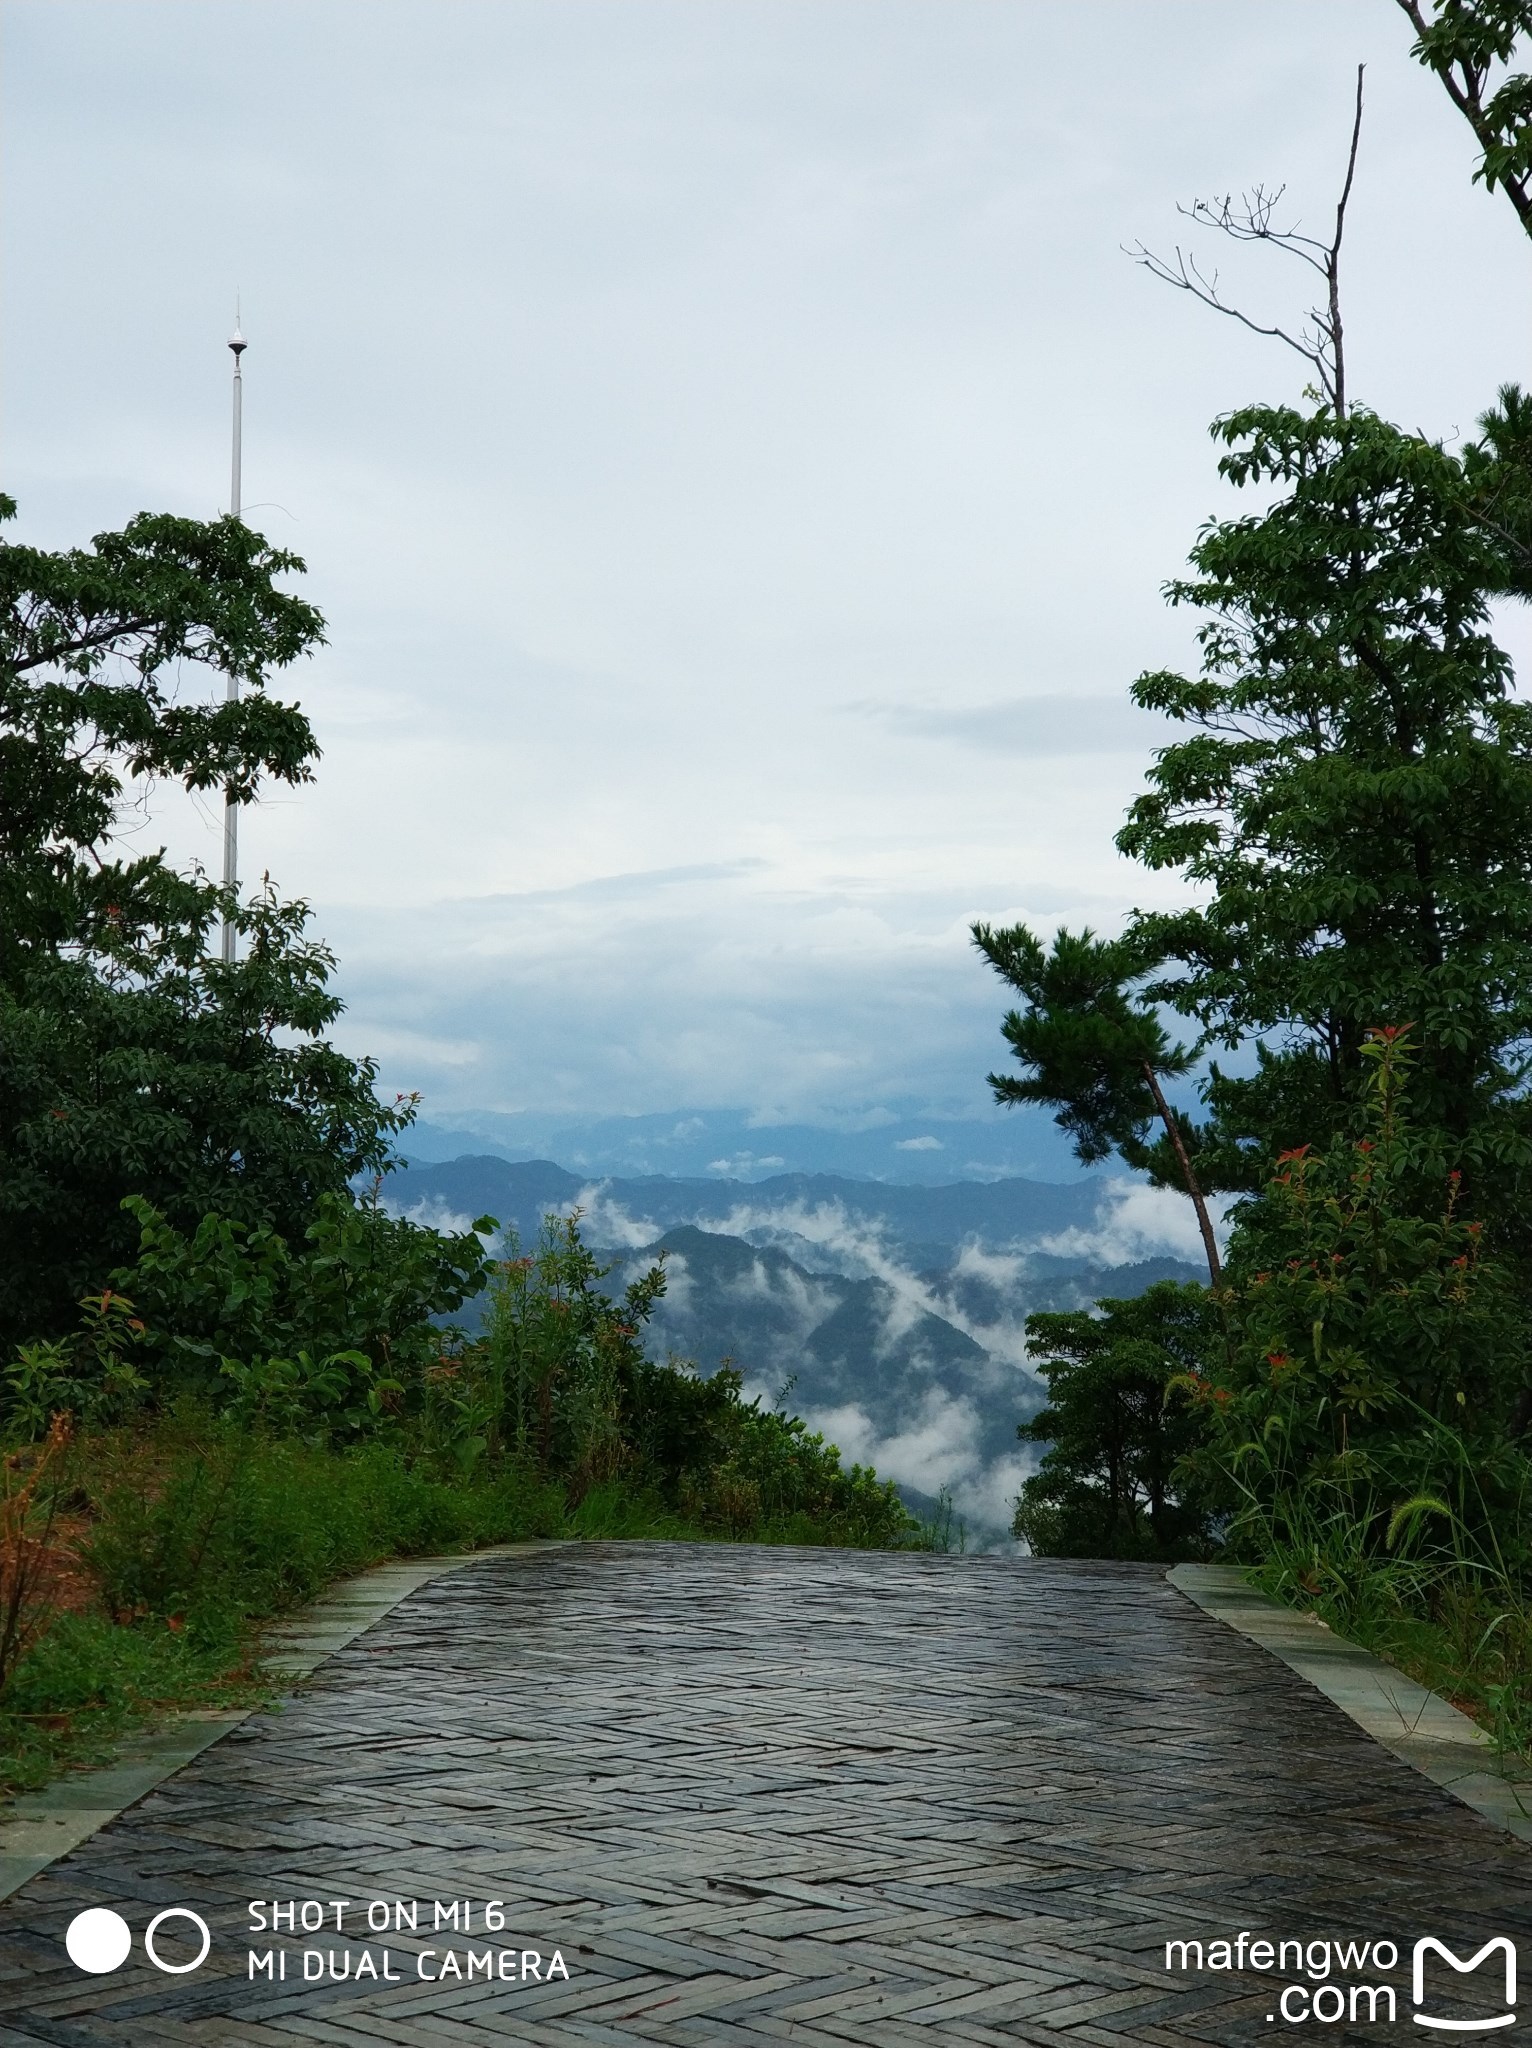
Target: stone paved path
[{"x": 761, "y": 1796}]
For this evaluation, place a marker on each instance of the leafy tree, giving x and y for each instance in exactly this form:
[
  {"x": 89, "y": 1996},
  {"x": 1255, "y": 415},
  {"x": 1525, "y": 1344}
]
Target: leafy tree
[
  {"x": 1354, "y": 807},
  {"x": 92, "y": 646},
  {"x": 1093, "y": 1051},
  {"x": 131, "y": 1060},
  {"x": 1498, "y": 470},
  {"x": 195, "y": 1084},
  {"x": 1110, "y": 1484},
  {"x": 1470, "y": 44}
]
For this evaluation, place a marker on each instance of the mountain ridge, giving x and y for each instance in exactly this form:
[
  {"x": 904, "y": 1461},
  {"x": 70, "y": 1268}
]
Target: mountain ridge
[
  {"x": 890, "y": 1316},
  {"x": 474, "y": 1184}
]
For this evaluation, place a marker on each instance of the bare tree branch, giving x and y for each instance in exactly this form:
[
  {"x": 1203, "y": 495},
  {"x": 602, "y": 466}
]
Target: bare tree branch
[
  {"x": 1332, "y": 267},
  {"x": 1321, "y": 340},
  {"x": 1187, "y": 276}
]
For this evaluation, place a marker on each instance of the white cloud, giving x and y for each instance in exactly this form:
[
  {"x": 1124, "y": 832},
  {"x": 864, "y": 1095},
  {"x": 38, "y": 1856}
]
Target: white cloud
[
  {"x": 1141, "y": 1222},
  {"x": 939, "y": 1449},
  {"x": 1064, "y": 723},
  {"x": 741, "y": 1164},
  {"x": 981, "y": 1262},
  {"x": 608, "y": 1222},
  {"x": 433, "y": 1214},
  {"x": 926, "y": 1144},
  {"x": 863, "y": 1249},
  {"x": 679, "y": 1284}
]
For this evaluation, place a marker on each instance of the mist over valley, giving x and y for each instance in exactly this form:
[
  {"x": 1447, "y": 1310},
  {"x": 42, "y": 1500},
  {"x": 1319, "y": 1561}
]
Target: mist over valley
[{"x": 890, "y": 1317}]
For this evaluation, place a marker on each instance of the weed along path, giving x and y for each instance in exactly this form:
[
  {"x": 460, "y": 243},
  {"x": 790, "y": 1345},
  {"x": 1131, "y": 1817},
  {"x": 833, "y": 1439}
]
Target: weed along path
[{"x": 610, "y": 1794}]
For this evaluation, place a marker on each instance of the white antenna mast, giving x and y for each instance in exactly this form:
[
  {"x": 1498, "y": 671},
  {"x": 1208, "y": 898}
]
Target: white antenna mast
[{"x": 238, "y": 344}]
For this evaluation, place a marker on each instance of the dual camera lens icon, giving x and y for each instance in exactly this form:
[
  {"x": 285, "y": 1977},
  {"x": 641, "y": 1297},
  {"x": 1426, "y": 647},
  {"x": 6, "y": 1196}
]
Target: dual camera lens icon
[{"x": 100, "y": 1940}]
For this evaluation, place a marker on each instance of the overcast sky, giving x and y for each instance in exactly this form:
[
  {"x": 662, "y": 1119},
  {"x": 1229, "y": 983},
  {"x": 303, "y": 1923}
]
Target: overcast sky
[{"x": 736, "y": 460}]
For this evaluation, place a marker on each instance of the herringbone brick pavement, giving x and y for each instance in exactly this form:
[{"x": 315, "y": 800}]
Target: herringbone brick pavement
[{"x": 763, "y": 1796}]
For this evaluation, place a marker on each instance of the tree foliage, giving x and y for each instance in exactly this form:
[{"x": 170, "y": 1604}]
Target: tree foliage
[
  {"x": 1352, "y": 811},
  {"x": 186, "y": 1081},
  {"x": 358, "y": 1280},
  {"x": 1470, "y": 45},
  {"x": 1498, "y": 469},
  {"x": 346, "y": 1339},
  {"x": 1375, "y": 1348},
  {"x": 1355, "y": 804},
  {"x": 94, "y": 643},
  {"x": 132, "y": 1061},
  {"x": 1092, "y": 1049},
  {"x": 1110, "y": 1483}
]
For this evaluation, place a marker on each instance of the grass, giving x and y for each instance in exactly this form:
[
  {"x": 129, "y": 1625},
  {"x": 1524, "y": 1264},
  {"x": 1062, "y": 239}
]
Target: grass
[
  {"x": 185, "y": 1540},
  {"x": 1467, "y": 1640},
  {"x": 1413, "y": 1546},
  {"x": 185, "y": 1536},
  {"x": 1447, "y": 1611},
  {"x": 91, "y": 1682}
]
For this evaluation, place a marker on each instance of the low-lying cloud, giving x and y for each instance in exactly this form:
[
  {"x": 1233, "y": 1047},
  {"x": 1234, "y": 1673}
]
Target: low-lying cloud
[
  {"x": 939, "y": 1450},
  {"x": 835, "y": 1319},
  {"x": 1139, "y": 1222}
]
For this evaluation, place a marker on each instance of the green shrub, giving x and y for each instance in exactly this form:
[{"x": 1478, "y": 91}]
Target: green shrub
[
  {"x": 1356, "y": 1415},
  {"x": 362, "y": 1285},
  {"x": 561, "y": 1383},
  {"x": 549, "y": 1382},
  {"x": 1374, "y": 1353},
  {"x": 91, "y": 1374}
]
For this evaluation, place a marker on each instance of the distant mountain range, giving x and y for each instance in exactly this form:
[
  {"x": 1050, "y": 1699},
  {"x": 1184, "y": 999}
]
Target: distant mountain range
[
  {"x": 519, "y": 1192},
  {"x": 902, "y": 1141},
  {"x": 890, "y": 1317}
]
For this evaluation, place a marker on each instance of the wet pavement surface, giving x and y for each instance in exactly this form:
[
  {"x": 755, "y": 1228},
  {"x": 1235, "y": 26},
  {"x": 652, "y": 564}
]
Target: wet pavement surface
[{"x": 721, "y": 1795}]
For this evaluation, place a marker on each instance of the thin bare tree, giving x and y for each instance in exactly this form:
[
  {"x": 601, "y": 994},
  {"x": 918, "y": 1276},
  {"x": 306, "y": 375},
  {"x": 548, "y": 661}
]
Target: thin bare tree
[{"x": 1321, "y": 339}]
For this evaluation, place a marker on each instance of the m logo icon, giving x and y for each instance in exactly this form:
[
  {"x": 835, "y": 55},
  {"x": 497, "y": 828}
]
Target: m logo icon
[{"x": 1418, "y": 1984}]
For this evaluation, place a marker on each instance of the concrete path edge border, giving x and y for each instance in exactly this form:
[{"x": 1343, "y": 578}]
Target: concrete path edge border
[
  {"x": 1420, "y": 1727},
  {"x": 43, "y": 1826}
]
